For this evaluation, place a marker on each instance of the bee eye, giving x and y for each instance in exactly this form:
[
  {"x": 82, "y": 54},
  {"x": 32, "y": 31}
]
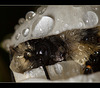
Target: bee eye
[
  {"x": 27, "y": 55},
  {"x": 42, "y": 50}
]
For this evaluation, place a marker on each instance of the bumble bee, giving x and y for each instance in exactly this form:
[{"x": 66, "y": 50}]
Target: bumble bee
[
  {"x": 38, "y": 52},
  {"x": 81, "y": 46}
]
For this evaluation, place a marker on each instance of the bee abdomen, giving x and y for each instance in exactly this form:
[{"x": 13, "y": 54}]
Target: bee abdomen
[{"x": 93, "y": 62}]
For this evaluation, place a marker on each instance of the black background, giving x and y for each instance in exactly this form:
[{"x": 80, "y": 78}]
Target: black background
[{"x": 9, "y": 16}]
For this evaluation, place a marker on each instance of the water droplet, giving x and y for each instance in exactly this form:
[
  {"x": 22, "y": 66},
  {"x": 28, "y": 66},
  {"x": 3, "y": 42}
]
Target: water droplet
[
  {"x": 57, "y": 32},
  {"x": 86, "y": 21},
  {"x": 16, "y": 27},
  {"x": 58, "y": 68},
  {"x": 80, "y": 24},
  {"x": 30, "y": 15},
  {"x": 90, "y": 18},
  {"x": 90, "y": 80},
  {"x": 41, "y": 10},
  {"x": 95, "y": 8},
  {"x": 17, "y": 36},
  {"x": 27, "y": 75},
  {"x": 43, "y": 27},
  {"x": 65, "y": 27},
  {"x": 81, "y": 61},
  {"x": 25, "y": 32},
  {"x": 58, "y": 19},
  {"x": 81, "y": 47},
  {"x": 21, "y": 20},
  {"x": 41, "y": 67}
]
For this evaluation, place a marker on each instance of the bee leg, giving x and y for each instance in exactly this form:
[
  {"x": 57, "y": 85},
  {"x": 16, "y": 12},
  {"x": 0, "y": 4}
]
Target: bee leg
[
  {"x": 46, "y": 72},
  {"x": 44, "y": 68}
]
